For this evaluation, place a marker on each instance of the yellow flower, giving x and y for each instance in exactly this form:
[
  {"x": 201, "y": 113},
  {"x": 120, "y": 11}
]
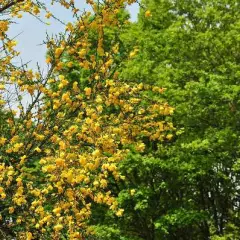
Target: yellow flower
[
  {"x": 57, "y": 211},
  {"x": 103, "y": 183},
  {"x": 133, "y": 53},
  {"x": 140, "y": 147},
  {"x": 37, "y": 149},
  {"x": 17, "y": 146},
  {"x": 96, "y": 153},
  {"x": 29, "y": 236},
  {"x": 75, "y": 87},
  {"x": 48, "y": 60},
  {"x": 58, "y": 227},
  {"x": 50, "y": 80},
  {"x": 3, "y": 195},
  {"x": 19, "y": 220},
  {"x": 69, "y": 64},
  {"x": 119, "y": 213},
  {"x": 88, "y": 91},
  {"x": 2, "y": 140},
  {"x": 169, "y": 136},
  {"x": 148, "y": 13},
  {"x": 36, "y": 10},
  {"x": 83, "y": 160},
  {"x": 10, "y": 173},
  {"x": 39, "y": 137},
  {"x": 11, "y": 210},
  {"x": 60, "y": 162},
  {"x": 132, "y": 192},
  {"x": 48, "y": 15},
  {"x": 82, "y": 52},
  {"x": 58, "y": 51}
]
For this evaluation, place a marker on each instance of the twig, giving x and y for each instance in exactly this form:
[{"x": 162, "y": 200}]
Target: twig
[{"x": 10, "y": 5}]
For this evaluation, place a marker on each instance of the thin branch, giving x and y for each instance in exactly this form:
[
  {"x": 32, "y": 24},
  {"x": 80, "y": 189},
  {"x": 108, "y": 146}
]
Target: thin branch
[{"x": 7, "y": 6}]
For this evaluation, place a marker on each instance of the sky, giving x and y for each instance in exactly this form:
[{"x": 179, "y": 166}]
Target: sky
[{"x": 31, "y": 32}]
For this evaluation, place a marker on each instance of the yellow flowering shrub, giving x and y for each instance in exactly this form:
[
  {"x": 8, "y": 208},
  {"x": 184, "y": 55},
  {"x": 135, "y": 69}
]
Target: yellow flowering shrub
[{"x": 57, "y": 152}]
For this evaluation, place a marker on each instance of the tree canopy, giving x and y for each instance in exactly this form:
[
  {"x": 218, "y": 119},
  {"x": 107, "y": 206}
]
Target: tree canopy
[{"x": 132, "y": 133}]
